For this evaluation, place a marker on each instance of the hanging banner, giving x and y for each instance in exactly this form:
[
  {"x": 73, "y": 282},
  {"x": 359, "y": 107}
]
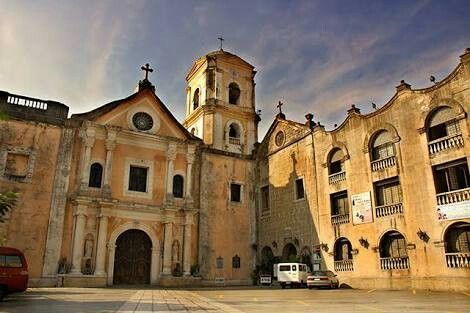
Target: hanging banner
[
  {"x": 361, "y": 208},
  {"x": 453, "y": 211}
]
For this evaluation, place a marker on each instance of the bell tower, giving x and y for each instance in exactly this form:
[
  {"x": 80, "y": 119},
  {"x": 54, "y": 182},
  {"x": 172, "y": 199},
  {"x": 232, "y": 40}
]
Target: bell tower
[{"x": 220, "y": 102}]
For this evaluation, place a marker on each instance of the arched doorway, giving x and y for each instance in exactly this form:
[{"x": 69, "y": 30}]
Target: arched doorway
[
  {"x": 132, "y": 258},
  {"x": 267, "y": 260},
  {"x": 289, "y": 253}
]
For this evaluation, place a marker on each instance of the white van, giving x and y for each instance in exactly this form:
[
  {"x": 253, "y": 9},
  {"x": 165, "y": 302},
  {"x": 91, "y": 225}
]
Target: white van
[{"x": 293, "y": 274}]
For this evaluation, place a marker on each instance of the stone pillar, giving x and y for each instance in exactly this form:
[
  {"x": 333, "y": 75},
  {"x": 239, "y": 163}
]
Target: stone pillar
[
  {"x": 189, "y": 168},
  {"x": 110, "y": 145},
  {"x": 77, "y": 251},
  {"x": 171, "y": 156},
  {"x": 88, "y": 137},
  {"x": 101, "y": 248},
  {"x": 167, "y": 248},
  {"x": 187, "y": 246}
]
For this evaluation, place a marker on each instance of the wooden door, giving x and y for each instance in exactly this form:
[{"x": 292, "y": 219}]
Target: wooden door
[{"x": 132, "y": 258}]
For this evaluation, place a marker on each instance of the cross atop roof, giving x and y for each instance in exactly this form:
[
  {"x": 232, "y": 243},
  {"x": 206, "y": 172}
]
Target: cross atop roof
[
  {"x": 279, "y": 106},
  {"x": 221, "y": 42},
  {"x": 147, "y": 69}
]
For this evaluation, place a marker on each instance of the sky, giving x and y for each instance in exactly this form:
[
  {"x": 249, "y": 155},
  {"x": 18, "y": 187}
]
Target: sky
[{"x": 315, "y": 56}]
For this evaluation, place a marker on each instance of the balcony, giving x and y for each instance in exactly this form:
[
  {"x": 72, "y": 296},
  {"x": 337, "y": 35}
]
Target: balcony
[
  {"x": 401, "y": 263},
  {"x": 336, "y": 177},
  {"x": 340, "y": 219},
  {"x": 344, "y": 266},
  {"x": 444, "y": 143},
  {"x": 380, "y": 164},
  {"x": 234, "y": 141},
  {"x": 458, "y": 260},
  {"x": 388, "y": 209},
  {"x": 453, "y": 196}
]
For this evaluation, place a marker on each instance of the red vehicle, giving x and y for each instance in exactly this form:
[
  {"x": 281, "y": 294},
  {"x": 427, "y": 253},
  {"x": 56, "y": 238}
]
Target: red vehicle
[{"x": 13, "y": 271}]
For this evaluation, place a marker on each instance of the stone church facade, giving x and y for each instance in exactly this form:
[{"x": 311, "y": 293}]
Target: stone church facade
[{"x": 125, "y": 194}]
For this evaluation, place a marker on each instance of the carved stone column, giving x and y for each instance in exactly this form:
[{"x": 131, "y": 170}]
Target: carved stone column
[
  {"x": 101, "y": 248},
  {"x": 110, "y": 145},
  {"x": 187, "y": 246},
  {"x": 88, "y": 137},
  {"x": 167, "y": 248},
  {"x": 77, "y": 251},
  {"x": 189, "y": 168},
  {"x": 171, "y": 156}
]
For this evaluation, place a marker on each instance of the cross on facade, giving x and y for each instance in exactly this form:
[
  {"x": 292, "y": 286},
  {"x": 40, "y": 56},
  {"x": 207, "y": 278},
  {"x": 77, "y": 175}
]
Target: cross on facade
[
  {"x": 279, "y": 106},
  {"x": 147, "y": 69},
  {"x": 221, "y": 42}
]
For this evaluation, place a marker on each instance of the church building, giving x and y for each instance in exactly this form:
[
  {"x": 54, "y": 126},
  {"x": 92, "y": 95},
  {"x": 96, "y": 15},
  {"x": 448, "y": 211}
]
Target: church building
[{"x": 126, "y": 194}]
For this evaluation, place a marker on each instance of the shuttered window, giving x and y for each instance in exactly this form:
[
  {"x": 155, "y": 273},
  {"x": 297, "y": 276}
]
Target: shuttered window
[
  {"x": 388, "y": 192},
  {"x": 451, "y": 176},
  {"x": 339, "y": 203},
  {"x": 393, "y": 245}
]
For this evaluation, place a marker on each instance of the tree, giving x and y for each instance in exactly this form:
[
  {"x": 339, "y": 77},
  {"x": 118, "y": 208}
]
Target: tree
[{"x": 7, "y": 201}]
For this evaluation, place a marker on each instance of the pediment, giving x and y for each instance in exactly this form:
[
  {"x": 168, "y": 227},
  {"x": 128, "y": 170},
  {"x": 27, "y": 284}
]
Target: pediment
[
  {"x": 284, "y": 132},
  {"x": 142, "y": 112}
]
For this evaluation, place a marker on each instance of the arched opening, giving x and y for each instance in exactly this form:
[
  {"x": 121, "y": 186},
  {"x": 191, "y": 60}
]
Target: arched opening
[
  {"x": 343, "y": 250},
  {"x": 196, "y": 99},
  {"x": 234, "y": 134},
  {"x": 267, "y": 260},
  {"x": 382, "y": 146},
  {"x": 457, "y": 238},
  {"x": 335, "y": 163},
  {"x": 289, "y": 253},
  {"x": 393, "y": 253},
  {"x": 178, "y": 186},
  {"x": 442, "y": 124},
  {"x": 233, "y": 93},
  {"x": 132, "y": 258},
  {"x": 96, "y": 175},
  {"x": 193, "y": 131},
  {"x": 457, "y": 245}
]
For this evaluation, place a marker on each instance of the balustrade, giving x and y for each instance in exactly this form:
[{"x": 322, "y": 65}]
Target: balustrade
[
  {"x": 344, "y": 266},
  {"x": 234, "y": 140},
  {"x": 337, "y": 177},
  {"x": 453, "y": 141},
  {"x": 458, "y": 260},
  {"x": 380, "y": 164},
  {"x": 388, "y": 209},
  {"x": 453, "y": 196},
  {"x": 340, "y": 219},
  {"x": 401, "y": 263}
]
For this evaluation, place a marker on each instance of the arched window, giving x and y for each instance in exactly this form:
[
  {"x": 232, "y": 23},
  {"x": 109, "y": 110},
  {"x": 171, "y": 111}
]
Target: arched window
[
  {"x": 96, "y": 174},
  {"x": 382, "y": 146},
  {"x": 441, "y": 124},
  {"x": 343, "y": 250},
  {"x": 457, "y": 238},
  {"x": 393, "y": 245},
  {"x": 336, "y": 162},
  {"x": 233, "y": 93},
  {"x": 234, "y": 134},
  {"x": 178, "y": 186},
  {"x": 196, "y": 99}
]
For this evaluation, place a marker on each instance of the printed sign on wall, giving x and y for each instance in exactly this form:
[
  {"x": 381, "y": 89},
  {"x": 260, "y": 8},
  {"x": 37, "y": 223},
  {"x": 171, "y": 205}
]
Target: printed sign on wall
[
  {"x": 453, "y": 211},
  {"x": 361, "y": 208}
]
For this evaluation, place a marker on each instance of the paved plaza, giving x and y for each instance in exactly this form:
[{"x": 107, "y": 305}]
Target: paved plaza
[{"x": 122, "y": 300}]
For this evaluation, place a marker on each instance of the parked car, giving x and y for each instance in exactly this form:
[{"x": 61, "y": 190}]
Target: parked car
[
  {"x": 292, "y": 274},
  {"x": 13, "y": 271},
  {"x": 322, "y": 279}
]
